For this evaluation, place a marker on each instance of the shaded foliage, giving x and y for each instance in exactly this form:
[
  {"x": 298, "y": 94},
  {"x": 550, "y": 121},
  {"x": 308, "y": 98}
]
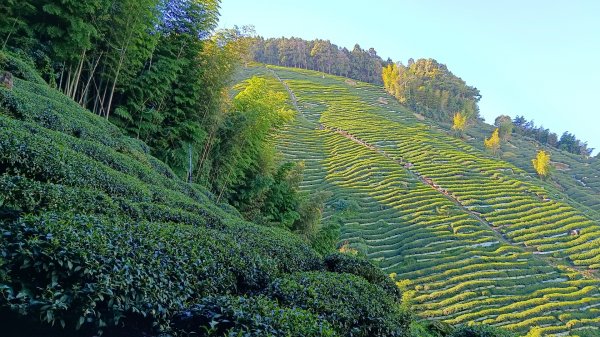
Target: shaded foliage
[
  {"x": 479, "y": 331},
  {"x": 352, "y": 305},
  {"x": 249, "y": 316}
]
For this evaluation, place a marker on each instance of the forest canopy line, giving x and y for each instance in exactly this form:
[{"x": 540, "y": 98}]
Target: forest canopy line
[
  {"x": 425, "y": 85},
  {"x": 567, "y": 141},
  {"x": 320, "y": 55},
  {"x": 428, "y": 87}
]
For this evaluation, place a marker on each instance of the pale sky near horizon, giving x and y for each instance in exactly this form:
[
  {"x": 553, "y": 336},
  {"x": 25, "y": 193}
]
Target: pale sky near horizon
[{"x": 536, "y": 58}]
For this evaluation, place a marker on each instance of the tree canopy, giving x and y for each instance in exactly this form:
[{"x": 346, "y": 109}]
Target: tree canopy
[
  {"x": 493, "y": 143},
  {"x": 428, "y": 87},
  {"x": 567, "y": 141},
  {"x": 321, "y": 55},
  {"x": 459, "y": 122},
  {"x": 541, "y": 163}
]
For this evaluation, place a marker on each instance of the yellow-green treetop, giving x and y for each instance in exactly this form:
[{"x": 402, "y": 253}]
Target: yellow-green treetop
[
  {"x": 493, "y": 143},
  {"x": 459, "y": 122},
  {"x": 541, "y": 163},
  {"x": 390, "y": 76}
]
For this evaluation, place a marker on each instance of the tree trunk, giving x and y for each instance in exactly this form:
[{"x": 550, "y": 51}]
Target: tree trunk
[
  {"x": 78, "y": 75},
  {"x": 224, "y": 185},
  {"x": 9, "y": 34},
  {"x": 68, "y": 82},
  {"x": 62, "y": 74},
  {"x": 84, "y": 95},
  {"x": 205, "y": 152},
  {"x": 114, "y": 85}
]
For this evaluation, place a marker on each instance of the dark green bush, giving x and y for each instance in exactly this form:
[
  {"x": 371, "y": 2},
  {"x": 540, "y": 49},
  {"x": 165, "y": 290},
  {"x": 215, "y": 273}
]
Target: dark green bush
[
  {"x": 48, "y": 108},
  {"x": 480, "y": 331},
  {"x": 19, "y": 68},
  {"x": 430, "y": 329},
  {"x": 248, "y": 316},
  {"x": 32, "y": 196},
  {"x": 76, "y": 269},
  {"x": 353, "y": 306},
  {"x": 344, "y": 263},
  {"x": 326, "y": 238}
]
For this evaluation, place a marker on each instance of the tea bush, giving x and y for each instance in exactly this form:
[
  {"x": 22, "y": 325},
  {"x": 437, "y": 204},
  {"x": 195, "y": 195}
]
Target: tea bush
[
  {"x": 249, "y": 316},
  {"x": 351, "y": 304}
]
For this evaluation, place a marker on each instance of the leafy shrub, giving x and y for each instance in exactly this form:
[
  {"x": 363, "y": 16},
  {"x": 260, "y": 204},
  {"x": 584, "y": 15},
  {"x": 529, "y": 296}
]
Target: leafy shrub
[
  {"x": 77, "y": 269},
  {"x": 19, "y": 68},
  {"x": 326, "y": 239},
  {"x": 353, "y": 306},
  {"x": 343, "y": 204},
  {"x": 479, "y": 331},
  {"x": 430, "y": 329},
  {"x": 344, "y": 263},
  {"x": 248, "y": 316}
]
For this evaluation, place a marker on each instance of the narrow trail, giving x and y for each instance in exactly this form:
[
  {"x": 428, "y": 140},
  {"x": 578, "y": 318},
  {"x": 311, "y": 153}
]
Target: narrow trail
[
  {"x": 290, "y": 92},
  {"x": 427, "y": 181}
]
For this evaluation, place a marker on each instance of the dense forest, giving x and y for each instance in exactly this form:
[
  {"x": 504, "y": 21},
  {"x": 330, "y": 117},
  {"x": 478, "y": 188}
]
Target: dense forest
[
  {"x": 429, "y": 88},
  {"x": 321, "y": 55},
  {"x": 138, "y": 63}
]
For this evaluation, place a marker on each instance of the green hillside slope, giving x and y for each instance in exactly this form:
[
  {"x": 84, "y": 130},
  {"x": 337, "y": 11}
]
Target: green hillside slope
[
  {"x": 97, "y": 235},
  {"x": 471, "y": 238},
  {"x": 574, "y": 175}
]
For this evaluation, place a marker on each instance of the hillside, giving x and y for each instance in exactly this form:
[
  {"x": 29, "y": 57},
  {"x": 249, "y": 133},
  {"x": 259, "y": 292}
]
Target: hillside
[
  {"x": 576, "y": 176},
  {"x": 99, "y": 236},
  {"x": 469, "y": 237}
]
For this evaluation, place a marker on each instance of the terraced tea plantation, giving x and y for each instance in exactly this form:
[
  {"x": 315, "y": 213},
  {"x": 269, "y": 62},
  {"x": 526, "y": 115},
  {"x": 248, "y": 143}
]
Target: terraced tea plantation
[
  {"x": 470, "y": 238},
  {"x": 575, "y": 175}
]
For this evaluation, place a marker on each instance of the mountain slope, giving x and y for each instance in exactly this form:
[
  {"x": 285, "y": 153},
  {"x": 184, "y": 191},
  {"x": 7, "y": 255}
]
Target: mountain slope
[
  {"x": 574, "y": 175},
  {"x": 471, "y": 238},
  {"x": 98, "y": 235}
]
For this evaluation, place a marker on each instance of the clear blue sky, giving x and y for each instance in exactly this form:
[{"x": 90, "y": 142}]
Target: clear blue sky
[{"x": 535, "y": 58}]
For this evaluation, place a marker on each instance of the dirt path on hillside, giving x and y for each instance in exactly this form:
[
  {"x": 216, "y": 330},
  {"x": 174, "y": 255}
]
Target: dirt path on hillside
[{"x": 290, "y": 92}]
